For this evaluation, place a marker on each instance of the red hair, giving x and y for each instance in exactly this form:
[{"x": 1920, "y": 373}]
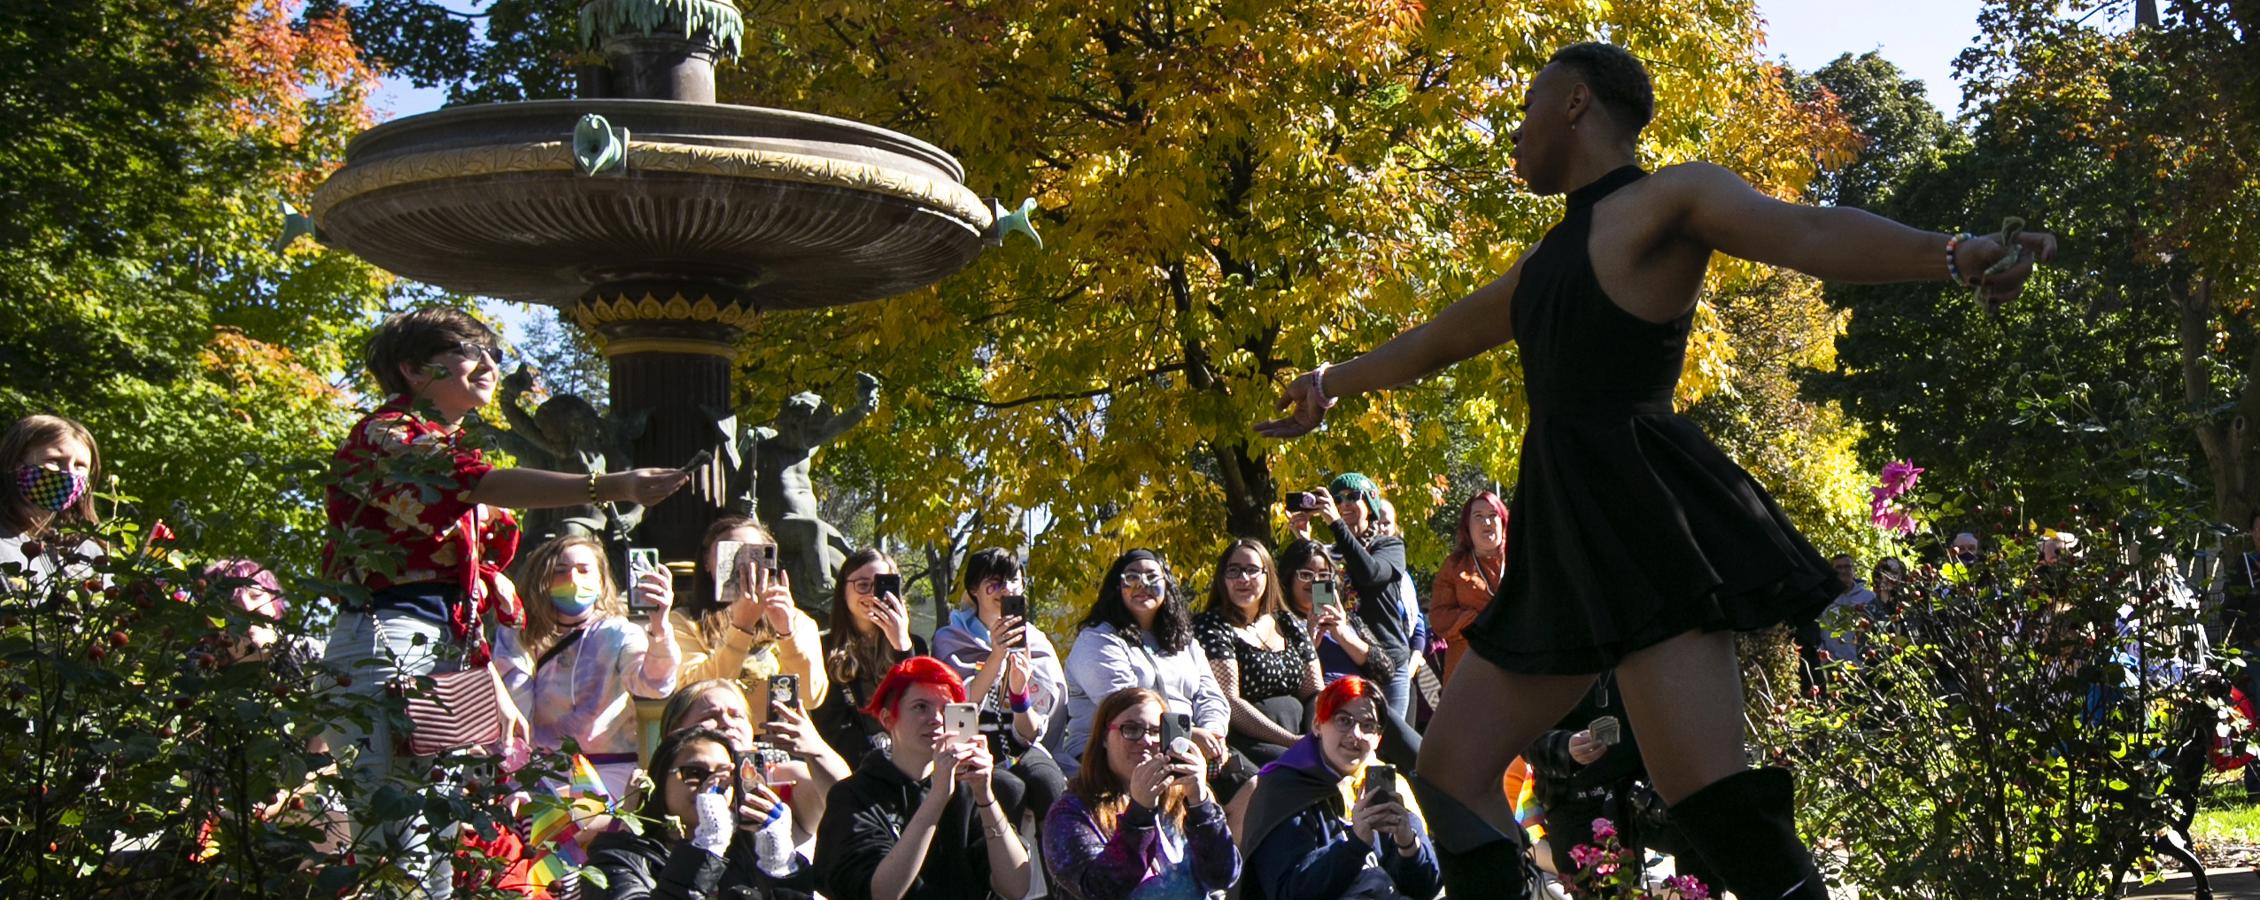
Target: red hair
[
  {"x": 915, "y": 670},
  {"x": 1341, "y": 692},
  {"x": 1463, "y": 537}
]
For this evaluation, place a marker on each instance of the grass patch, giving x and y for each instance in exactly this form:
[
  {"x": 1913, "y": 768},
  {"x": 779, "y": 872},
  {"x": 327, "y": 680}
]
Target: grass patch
[{"x": 2225, "y": 815}]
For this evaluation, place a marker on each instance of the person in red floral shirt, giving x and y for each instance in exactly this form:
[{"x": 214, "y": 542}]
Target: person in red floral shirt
[{"x": 420, "y": 531}]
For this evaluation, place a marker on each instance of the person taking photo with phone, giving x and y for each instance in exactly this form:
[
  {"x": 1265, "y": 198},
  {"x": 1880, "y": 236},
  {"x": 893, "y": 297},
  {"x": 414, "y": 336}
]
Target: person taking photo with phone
[
  {"x": 1330, "y": 820},
  {"x": 1139, "y": 633},
  {"x": 1139, "y": 819},
  {"x": 1372, "y": 563},
  {"x": 870, "y": 633},
  {"x": 708, "y": 832},
  {"x": 1588, "y": 767},
  {"x": 919, "y": 820},
  {"x": 578, "y": 664},
  {"x": 810, "y": 767},
  {"x": 741, "y": 623},
  {"x": 1012, "y": 673}
]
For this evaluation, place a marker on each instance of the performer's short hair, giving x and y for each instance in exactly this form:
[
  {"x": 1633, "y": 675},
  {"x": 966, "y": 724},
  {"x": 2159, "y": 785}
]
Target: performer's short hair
[
  {"x": 418, "y": 335},
  {"x": 1616, "y": 78}
]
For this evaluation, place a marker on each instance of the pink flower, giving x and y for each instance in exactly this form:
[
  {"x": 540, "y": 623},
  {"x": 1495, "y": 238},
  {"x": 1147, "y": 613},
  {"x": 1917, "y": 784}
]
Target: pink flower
[
  {"x": 1604, "y": 870},
  {"x": 1584, "y": 855},
  {"x": 1603, "y": 829},
  {"x": 1893, "y": 520},
  {"x": 1688, "y": 887},
  {"x": 1900, "y": 476}
]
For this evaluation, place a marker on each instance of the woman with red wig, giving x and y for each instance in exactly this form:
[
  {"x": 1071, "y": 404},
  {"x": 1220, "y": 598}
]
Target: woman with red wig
[
  {"x": 1470, "y": 576},
  {"x": 918, "y": 820}
]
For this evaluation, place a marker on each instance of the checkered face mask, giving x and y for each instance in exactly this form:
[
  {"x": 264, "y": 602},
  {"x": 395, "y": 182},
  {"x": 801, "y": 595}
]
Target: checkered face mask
[{"x": 53, "y": 490}]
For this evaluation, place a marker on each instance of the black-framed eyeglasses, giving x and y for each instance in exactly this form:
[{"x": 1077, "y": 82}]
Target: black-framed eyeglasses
[
  {"x": 1137, "y": 732},
  {"x": 1307, "y": 576},
  {"x": 1242, "y": 572},
  {"x": 697, "y": 774}
]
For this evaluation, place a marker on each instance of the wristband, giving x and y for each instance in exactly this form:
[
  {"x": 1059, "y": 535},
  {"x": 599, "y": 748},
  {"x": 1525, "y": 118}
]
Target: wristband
[
  {"x": 1020, "y": 702},
  {"x": 1954, "y": 269},
  {"x": 1318, "y": 383}
]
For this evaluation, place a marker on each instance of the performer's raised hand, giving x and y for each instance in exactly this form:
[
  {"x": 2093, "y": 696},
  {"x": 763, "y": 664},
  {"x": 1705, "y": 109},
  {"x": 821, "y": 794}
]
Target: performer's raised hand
[
  {"x": 1307, "y": 409},
  {"x": 1975, "y": 256}
]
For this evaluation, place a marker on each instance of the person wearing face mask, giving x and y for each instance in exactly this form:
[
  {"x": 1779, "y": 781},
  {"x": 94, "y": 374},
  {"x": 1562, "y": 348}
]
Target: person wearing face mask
[
  {"x": 1139, "y": 634},
  {"x": 1373, "y": 563},
  {"x": 1138, "y": 820},
  {"x": 870, "y": 633},
  {"x": 919, "y": 820},
  {"x": 707, "y": 834},
  {"x": 1471, "y": 575},
  {"x": 51, "y": 460},
  {"x": 589, "y": 658},
  {"x": 1013, "y": 673},
  {"x": 1318, "y": 828}
]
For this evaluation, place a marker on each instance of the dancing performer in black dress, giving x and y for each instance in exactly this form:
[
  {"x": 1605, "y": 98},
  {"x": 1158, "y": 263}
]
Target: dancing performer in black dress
[{"x": 1638, "y": 545}]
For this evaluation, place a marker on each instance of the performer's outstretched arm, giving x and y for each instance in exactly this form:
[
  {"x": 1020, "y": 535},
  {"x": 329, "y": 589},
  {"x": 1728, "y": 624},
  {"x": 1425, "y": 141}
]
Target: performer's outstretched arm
[
  {"x": 1472, "y": 324},
  {"x": 1715, "y": 207}
]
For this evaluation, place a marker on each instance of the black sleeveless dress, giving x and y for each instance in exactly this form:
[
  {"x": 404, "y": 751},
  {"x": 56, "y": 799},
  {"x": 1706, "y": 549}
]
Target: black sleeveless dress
[{"x": 1629, "y": 526}]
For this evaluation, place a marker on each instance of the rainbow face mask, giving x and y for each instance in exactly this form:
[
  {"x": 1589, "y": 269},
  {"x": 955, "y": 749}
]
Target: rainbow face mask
[
  {"x": 53, "y": 490},
  {"x": 573, "y": 598}
]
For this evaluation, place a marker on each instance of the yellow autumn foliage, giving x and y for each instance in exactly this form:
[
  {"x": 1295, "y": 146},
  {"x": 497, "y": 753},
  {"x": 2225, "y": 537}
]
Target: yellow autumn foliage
[{"x": 1232, "y": 191}]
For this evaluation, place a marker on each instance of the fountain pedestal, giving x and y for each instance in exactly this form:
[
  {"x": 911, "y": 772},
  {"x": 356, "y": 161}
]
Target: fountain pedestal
[{"x": 704, "y": 216}]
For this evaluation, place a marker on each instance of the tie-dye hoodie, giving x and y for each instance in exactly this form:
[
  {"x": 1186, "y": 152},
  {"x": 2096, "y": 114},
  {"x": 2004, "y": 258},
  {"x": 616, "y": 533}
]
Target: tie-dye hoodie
[{"x": 584, "y": 690}]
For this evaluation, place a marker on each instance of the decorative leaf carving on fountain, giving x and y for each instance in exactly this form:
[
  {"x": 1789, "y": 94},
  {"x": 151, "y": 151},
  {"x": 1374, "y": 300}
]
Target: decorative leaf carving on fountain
[{"x": 719, "y": 19}]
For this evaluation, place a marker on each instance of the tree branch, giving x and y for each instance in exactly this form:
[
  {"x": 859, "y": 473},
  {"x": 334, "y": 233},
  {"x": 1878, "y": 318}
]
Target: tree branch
[{"x": 1064, "y": 395}]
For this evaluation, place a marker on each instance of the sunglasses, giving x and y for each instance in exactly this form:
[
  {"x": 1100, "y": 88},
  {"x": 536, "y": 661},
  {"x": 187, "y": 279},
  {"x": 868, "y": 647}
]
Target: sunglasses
[
  {"x": 474, "y": 351},
  {"x": 697, "y": 774}
]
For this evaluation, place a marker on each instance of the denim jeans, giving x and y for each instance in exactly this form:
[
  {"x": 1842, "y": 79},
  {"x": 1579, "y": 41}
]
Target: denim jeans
[{"x": 374, "y": 648}]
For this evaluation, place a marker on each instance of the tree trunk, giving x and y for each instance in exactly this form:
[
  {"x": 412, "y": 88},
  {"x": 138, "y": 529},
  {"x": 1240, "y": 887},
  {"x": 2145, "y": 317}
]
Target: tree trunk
[{"x": 2228, "y": 438}]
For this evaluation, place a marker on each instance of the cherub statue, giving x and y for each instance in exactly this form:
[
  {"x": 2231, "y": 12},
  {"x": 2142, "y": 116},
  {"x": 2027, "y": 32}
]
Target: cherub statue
[
  {"x": 566, "y": 434},
  {"x": 809, "y": 548}
]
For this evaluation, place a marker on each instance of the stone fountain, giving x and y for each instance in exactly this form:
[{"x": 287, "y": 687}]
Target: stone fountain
[{"x": 659, "y": 220}]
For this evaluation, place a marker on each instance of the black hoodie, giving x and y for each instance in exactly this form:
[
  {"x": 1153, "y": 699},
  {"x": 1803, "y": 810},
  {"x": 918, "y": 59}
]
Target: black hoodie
[{"x": 864, "y": 816}]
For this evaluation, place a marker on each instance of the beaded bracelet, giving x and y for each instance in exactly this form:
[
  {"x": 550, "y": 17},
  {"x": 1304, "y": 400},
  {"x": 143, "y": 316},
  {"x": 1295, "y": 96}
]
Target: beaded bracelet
[
  {"x": 592, "y": 488},
  {"x": 1954, "y": 270}
]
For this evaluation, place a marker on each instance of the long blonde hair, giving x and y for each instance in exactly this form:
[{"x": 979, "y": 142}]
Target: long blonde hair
[
  {"x": 534, "y": 571},
  {"x": 1095, "y": 783}
]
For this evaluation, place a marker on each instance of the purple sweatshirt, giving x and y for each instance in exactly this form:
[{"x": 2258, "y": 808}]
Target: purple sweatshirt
[{"x": 1143, "y": 858}]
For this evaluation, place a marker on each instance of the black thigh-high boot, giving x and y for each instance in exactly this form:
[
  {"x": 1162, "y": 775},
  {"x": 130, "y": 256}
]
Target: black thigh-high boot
[
  {"x": 1478, "y": 861},
  {"x": 1745, "y": 827}
]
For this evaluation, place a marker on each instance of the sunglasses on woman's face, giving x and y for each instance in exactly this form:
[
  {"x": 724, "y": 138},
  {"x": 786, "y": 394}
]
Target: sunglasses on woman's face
[
  {"x": 697, "y": 774},
  {"x": 477, "y": 352},
  {"x": 1143, "y": 579}
]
